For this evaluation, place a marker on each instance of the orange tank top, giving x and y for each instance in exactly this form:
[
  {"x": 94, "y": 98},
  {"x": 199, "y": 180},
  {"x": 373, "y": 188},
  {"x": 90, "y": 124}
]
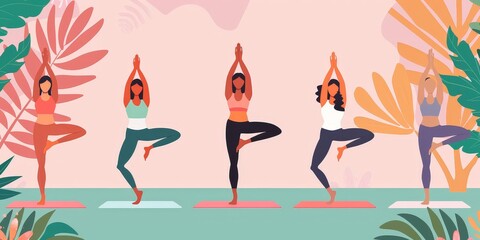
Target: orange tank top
[
  {"x": 240, "y": 106},
  {"x": 45, "y": 107}
]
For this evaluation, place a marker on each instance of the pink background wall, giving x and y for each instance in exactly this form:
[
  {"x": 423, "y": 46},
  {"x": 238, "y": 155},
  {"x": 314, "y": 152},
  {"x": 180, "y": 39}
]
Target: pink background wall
[{"x": 186, "y": 56}]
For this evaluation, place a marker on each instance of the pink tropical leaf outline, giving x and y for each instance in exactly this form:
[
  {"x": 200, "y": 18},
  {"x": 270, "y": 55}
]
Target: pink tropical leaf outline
[
  {"x": 5, "y": 106},
  {"x": 79, "y": 25},
  {"x": 83, "y": 61},
  {"x": 51, "y": 33},
  {"x": 32, "y": 62},
  {"x": 82, "y": 39}
]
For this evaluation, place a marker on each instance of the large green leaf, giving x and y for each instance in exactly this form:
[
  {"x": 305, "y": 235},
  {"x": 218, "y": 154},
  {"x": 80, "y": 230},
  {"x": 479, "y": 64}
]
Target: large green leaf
[
  {"x": 437, "y": 225},
  {"x": 5, "y": 164},
  {"x": 7, "y": 180},
  {"x": 421, "y": 226},
  {"x": 470, "y": 145},
  {"x": 464, "y": 59},
  {"x": 449, "y": 224},
  {"x": 4, "y": 194},
  {"x": 11, "y": 55},
  {"x": 56, "y": 228},
  {"x": 5, "y": 223},
  {"x": 462, "y": 228},
  {"x": 40, "y": 225},
  {"x": 28, "y": 225},
  {"x": 390, "y": 237},
  {"x": 402, "y": 227},
  {"x": 13, "y": 13}
]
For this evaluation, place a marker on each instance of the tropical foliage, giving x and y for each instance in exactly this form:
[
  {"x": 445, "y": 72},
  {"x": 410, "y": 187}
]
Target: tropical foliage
[
  {"x": 414, "y": 27},
  {"x": 4, "y": 193},
  {"x": 32, "y": 229},
  {"x": 13, "y": 13},
  {"x": 413, "y": 227},
  {"x": 64, "y": 40}
]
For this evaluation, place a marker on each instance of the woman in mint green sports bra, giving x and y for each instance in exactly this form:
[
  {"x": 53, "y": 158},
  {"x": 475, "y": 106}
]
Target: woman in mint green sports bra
[
  {"x": 430, "y": 127},
  {"x": 136, "y": 100}
]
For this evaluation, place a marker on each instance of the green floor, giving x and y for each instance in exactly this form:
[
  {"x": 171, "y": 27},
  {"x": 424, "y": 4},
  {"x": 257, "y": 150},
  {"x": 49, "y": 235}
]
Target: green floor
[{"x": 285, "y": 223}]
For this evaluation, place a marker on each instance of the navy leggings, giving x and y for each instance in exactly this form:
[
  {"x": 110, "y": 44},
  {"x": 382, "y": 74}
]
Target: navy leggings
[
  {"x": 233, "y": 132},
  {"x": 425, "y": 138},
  {"x": 358, "y": 135}
]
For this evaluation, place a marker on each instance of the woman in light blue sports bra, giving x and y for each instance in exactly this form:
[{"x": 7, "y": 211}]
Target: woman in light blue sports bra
[
  {"x": 136, "y": 100},
  {"x": 430, "y": 127}
]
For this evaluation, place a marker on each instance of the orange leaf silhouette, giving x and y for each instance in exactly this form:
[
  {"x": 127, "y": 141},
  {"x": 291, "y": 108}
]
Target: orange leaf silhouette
[
  {"x": 387, "y": 99},
  {"x": 403, "y": 92},
  {"x": 379, "y": 127},
  {"x": 367, "y": 103}
]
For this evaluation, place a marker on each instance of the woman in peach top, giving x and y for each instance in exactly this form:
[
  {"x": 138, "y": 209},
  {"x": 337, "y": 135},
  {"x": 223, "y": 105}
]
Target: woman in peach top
[
  {"x": 238, "y": 92},
  {"x": 45, "y": 96}
]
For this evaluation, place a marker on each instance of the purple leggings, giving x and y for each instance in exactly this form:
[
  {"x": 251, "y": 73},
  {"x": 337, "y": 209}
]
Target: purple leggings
[{"x": 425, "y": 138}]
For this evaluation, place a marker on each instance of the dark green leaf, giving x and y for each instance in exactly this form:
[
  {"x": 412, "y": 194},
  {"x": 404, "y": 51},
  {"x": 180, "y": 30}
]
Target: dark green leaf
[
  {"x": 462, "y": 228},
  {"x": 28, "y": 225},
  {"x": 470, "y": 145},
  {"x": 65, "y": 238},
  {"x": 402, "y": 227},
  {"x": 5, "y": 164},
  {"x": 11, "y": 55},
  {"x": 40, "y": 225},
  {"x": 57, "y": 228},
  {"x": 421, "y": 226},
  {"x": 475, "y": 2},
  {"x": 465, "y": 60},
  {"x": 13, "y": 13},
  {"x": 475, "y": 26},
  {"x": 7, "y": 180},
  {"x": 449, "y": 224},
  {"x": 437, "y": 225},
  {"x": 3, "y": 83},
  {"x": 390, "y": 237},
  {"x": 5, "y": 223},
  {"x": 4, "y": 194}
]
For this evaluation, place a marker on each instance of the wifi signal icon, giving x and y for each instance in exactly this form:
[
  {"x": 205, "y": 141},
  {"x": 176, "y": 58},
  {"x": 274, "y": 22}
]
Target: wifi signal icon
[{"x": 133, "y": 15}]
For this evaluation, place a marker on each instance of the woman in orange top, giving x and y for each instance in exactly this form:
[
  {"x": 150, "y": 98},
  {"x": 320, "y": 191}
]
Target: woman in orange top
[
  {"x": 238, "y": 92},
  {"x": 45, "y": 96}
]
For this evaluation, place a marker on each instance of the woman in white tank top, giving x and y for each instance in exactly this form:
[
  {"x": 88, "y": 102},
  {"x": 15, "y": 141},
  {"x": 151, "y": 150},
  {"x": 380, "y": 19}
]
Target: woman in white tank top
[{"x": 333, "y": 98}]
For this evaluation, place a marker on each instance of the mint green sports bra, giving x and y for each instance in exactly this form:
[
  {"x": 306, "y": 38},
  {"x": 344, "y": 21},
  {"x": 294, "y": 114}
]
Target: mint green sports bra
[{"x": 134, "y": 111}]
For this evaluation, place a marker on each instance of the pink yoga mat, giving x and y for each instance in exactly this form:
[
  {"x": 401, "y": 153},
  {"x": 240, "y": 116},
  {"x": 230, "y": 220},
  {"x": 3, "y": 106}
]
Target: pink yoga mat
[
  {"x": 242, "y": 204},
  {"x": 48, "y": 204},
  {"x": 337, "y": 204}
]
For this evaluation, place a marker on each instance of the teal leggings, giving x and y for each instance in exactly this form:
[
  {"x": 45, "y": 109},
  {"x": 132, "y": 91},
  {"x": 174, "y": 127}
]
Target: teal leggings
[{"x": 163, "y": 135}]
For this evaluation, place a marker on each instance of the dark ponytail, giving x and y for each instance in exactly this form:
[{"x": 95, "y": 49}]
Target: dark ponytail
[{"x": 338, "y": 102}]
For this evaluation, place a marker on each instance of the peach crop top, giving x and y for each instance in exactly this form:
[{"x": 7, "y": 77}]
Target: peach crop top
[
  {"x": 45, "y": 107},
  {"x": 241, "y": 106}
]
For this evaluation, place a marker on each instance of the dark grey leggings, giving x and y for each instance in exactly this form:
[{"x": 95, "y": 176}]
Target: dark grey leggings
[
  {"x": 425, "y": 138},
  {"x": 358, "y": 135},
  {"x": 233, "y": 132}
]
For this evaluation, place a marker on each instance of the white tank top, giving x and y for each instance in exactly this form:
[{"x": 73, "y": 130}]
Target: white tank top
[{"x": 332, "y": 118}]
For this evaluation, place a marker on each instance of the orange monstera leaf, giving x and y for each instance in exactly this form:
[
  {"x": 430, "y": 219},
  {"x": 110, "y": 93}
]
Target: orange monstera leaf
[{"x": 398, "y": 114}]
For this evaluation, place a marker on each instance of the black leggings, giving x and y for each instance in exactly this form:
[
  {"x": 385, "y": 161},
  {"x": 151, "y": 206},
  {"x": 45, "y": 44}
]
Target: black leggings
[
  {"x": 233, "y": 131},
  {"x": 360, "y": 136}
]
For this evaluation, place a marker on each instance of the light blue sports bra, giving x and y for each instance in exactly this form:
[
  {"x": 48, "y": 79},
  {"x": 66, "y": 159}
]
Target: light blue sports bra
[
  {"x": 134, "y": 111},
  {"x": 430, "y": 109}
]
